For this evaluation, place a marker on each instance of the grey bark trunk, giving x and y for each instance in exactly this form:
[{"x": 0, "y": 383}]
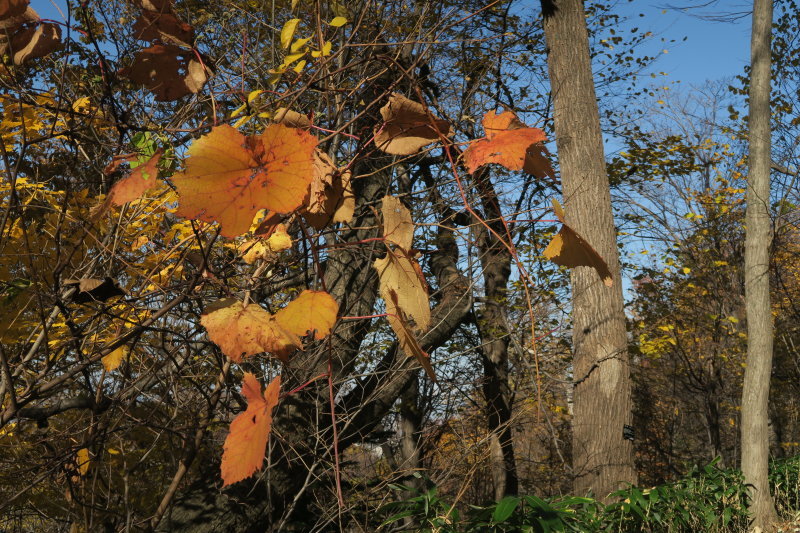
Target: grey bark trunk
[
  {"x": 755, "y": 393},
  {"x": 602, "y": 457}
]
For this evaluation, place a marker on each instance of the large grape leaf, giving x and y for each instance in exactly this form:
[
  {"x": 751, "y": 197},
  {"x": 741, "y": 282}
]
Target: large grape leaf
[
  {"x": 571, "y": 250},
  {"x": 246, "y": 444},
  {"x": 510, "y": 143},
  {"x": 230, "y": 177}
]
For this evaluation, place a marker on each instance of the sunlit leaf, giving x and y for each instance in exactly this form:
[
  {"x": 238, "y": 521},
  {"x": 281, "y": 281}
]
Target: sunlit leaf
[
  {"x": 407, "y": 127},
  {"x": 288, "y": 32}
]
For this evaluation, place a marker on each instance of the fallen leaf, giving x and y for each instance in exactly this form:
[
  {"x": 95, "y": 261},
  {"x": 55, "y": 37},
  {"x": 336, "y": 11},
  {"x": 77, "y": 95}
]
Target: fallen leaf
[
  {"x": 510, "y": 143},
  {"x": 242, "y": 332},
  {"x": 312, "y": 311},
  {"x": 570, "y": 250},
  {"x": 246, "y": 444},
  {"x": 112, "y": 361},
  {"x": 230, "y": 177},
  {"x": 407, "y": 127},
  {"x": 168, "y": 71},
  {"x": 405, "y": 337},
  {"x": 398, "y": 228}
]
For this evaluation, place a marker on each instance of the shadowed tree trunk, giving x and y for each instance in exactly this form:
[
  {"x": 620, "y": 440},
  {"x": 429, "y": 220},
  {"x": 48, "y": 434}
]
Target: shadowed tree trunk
[
  {"x": 602, "y": 457},
  {"x": 755, "y": 393}
]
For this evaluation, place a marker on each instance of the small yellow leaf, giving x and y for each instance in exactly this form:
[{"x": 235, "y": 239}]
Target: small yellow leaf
[
  {"x": 298, "y": 44},
  {"x": 112, "y": 361},
  {"x": 299, "y": 66},
  {"x": 113, "y": 451},
  {"x": 338, "y": 22},
  {"x": 83, "y": 461},
  {"x": 288, "y": 32},
  {"x": 686, "y": 270},
  {"x": 253, "y": 95}
]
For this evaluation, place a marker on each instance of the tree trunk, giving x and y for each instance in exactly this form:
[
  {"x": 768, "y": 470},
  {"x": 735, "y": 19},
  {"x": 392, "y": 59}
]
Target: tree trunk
[
  {"x": 602, "y": 457},
  {"x": 755, "y": 393}
]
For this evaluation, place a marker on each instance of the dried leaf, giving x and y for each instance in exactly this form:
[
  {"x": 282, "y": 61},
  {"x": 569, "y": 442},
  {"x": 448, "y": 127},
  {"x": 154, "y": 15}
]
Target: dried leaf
[
  {"x": 407, "y": 127},
  {"x": 12, "y": 8},
  {"x": 35, "y": 42},
  {"x": 141, "y": 178},
  {"x": 164, "y": 26},
  {"x": 291, "y": 118},
  {"x": 330, "y": 197},
  {"x": 508, "y": 142},
  {"x": 267, "y": 248},
  {"x": 168, "y": 71},
  {"x": 94, "y": 289},
  {"x": 408, "y": 341},
  {"x": 83, "y": 461},
  {"x": 246, "y": 444},
  {"x": 230, "y": 177},
  {"x": 398, "y": 227},
  {"x": 571, "y": 250},
  {"x": 400, "y": 273}
]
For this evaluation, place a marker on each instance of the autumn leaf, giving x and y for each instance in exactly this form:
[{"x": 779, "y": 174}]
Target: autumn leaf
[
  {"x": 407, "y": 127},
  {"x": 267, "y": 248},
  {"x": 399, "y": 272},
  {"x": 112, "y": 361},
  {"x": 330, "y": 196},
  {"x": 164, "y": 26},
  {"x": 12, "y": 8},
  {"x": 571, "y": 250},
  {"x": 405, "y": 337},
  {"x": 168, "y": 71},
  {"x": 94, "y": 289},
  {"x": 141, "y": 178},
  {"x": 510, "y": 143},
  {"x": 35, "y": 42},
  {"x": 83, "y": 461},
  {"x": 245, "y": 331},
  {"x": 242, "y": 332},
  {"x": 291, "y": 118},
  {"x": 312, "y": 311},
  {"x": 397, "y": 225},
  {"x": 230, "y": 177},
  {"x": 246, "y": 444}
]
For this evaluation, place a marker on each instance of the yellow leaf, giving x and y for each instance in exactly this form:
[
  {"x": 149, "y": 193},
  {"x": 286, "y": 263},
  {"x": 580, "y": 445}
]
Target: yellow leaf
[
  {"x": 338, "y": 21},
  {"x": 83, "y": 461},
  {"x": 398, "y": 227},
  {"x": 112, "y": 361},
  {"x": 253, "y": 95},
  {"x": 298, "y": 44},
  {"x": 299, "y": 66},
  {"x": 288, "y": 32}
]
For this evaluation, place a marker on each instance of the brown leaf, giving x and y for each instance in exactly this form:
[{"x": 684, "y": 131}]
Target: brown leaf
[
  {"x": 169, "y": 71},
  {"x": 398, "y": 228},
  {"x": 407, "y": 127},
  {"x": 400, "y": 273},
  {"x": 330, "y": 197},
  {"x": 94, "y": 289},
  {"x": 14, "y": 23},
  {"x": 291, "y": 118},
  {"x": 12, "y": 8},
  {"x": 408, "y": 341},
  {"x": 35, "y": 42},
  {"x": 571, "y": 250},
  {"x": 164, "y": 26}
]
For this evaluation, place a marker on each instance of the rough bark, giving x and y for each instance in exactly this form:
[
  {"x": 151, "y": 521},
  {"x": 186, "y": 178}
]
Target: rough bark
[
  {"x": 496, "y": 263},
  {"x": 602, "y": 457},
  {"x": 755, "y": 393}
]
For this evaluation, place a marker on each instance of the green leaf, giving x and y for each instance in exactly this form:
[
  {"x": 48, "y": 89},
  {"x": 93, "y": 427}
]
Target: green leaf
[{"x": 505, "y": 508}]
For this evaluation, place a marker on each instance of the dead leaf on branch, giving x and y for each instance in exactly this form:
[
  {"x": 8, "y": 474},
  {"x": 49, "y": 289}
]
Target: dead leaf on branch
[
  {"x": 154, "y": 25},
  {"x": 291, "y": 118},
  {"x": 399, "y": 272},
  {"x": 405, "y": 336},
  {"x": 408, "y": 126},
  {"x": 330, "y": 196},
  {"x": 22, "y": 34},
  {"x": 94, "y": 289},
  {"x": 140, "y": 180},
  {"x": 246, "y": 443},
  {"x": 508, "y": 142},
  {"x": 267, "y": 248},
  {"x": 570, "y": 250},
  {"x": 242, "y": 332},
  {"x": 230, "y": 177},
  {"x": 168, "y": 71},
  {"x": 12, "y": 8},
  {"x": 398, "y": 228}
]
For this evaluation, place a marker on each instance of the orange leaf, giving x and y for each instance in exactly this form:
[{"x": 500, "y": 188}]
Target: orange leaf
[
  {"x": 312, "y": 311},
  {"x": 168, "y": 71},
  {"x": 398, "y": 227},
  {"x": 400, "y": 273},
  {"x": 230, "y": 177},
  {"x": 571, "y": 250},
  {"x": 245, "y": 331},
  {"x": 408, "y": 341},
  {"x": 407, "y": 127},
  {"x": 141, "y": 178},
  {"x": 246, "y": 444},
  {"x": 509, "y": 143}
]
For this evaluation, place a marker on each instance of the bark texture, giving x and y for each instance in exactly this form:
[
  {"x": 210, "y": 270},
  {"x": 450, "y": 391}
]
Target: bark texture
[
  {"x": 602, "y": 457},
  {"x": 755, "y": 393}
]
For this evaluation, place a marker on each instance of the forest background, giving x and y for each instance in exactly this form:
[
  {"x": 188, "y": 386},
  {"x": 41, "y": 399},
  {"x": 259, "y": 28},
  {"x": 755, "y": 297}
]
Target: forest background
[{"x": 126, "y": 310}]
